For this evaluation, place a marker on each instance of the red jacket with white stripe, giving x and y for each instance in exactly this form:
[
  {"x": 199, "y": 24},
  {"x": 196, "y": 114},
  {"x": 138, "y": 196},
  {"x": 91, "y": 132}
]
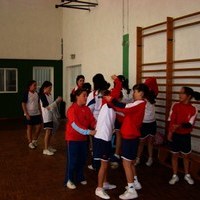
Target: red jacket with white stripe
[
  {"x": 134, "y": 114},
  {"x": 180, "y": 114}
]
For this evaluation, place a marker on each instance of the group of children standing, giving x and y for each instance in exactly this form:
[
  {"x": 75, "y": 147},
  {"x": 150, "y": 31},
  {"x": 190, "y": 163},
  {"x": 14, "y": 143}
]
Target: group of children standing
[
  {"x": 98, "y": 114},
  {"x": 39, "y": 108}
]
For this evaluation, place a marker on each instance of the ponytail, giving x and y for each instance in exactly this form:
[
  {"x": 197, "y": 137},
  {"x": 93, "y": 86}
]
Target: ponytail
[{"x": 190, "y": 92}]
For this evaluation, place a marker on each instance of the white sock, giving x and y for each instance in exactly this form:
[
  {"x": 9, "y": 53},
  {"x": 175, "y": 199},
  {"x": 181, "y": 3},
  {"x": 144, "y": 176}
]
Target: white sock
[{"x": 130, "y": 185}]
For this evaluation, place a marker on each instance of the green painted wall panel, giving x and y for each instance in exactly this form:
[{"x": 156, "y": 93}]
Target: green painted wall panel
[
  {"x": 11, "y": 102},
  {"x": 126, "y": 55}
]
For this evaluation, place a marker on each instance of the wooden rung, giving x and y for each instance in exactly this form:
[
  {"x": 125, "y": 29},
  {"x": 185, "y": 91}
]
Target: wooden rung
[
  {"x": 160, "y": 106},
  {"x": 155, "y": 32},
  {"x": 188, "y": 24},
  {"x": 186, "y": 84},
  {"x": 152, "y": 26},
  {"x": 154, "y": 63},
  {"x": 185, "y": 77},
  {"x": 187, "y": 69},
  {"x": 157, "y": 77},
  {"x": 155, "y": 70},
  {"x": 161, "y": 98},
  {"x": 187, "y": 60},
  {"x": 186, "y": 16},
  {"x": 161, "y": 120},
  {"x": 162, "y": 113}
]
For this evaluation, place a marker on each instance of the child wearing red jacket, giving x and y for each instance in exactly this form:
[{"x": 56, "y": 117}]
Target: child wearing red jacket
[
  {"x": 182, "y": 117},
  {"x": 130, "y": 132},
  {"x": 80, "y": 124}
]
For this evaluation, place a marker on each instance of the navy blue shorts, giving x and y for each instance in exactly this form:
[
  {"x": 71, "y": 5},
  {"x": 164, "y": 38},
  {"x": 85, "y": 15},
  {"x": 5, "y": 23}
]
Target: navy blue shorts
[
  {"x": 48, "y": 125},
  {"x": 180, "y": 143},
  {"x": 101, "y": 149},
  {"x": 34, "y": 120},
  {"x": 129, "y": 148},
  {"x": 148, "y": 129}
]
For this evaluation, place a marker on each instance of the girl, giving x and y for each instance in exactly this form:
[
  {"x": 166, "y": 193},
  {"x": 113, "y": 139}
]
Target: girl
[
  {"x": 182, "y": 117},
  {"x": 80, "y": 79},
  {"x": 49, "y": 108},
  {"x": 127, "y": 97},
  {"x": 80, "y": 124},
  {"x": 32, "y": 113},
  {"x": 94, "y": 102},
  {"x": 102, "y": 139},
  {"x": 148, "y": 129},
  {"x": 130, "y": 132}
]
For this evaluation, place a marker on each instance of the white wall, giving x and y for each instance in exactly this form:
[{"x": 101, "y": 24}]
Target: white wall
[
  {"x": 96, "y": 37},
  {"x": 30, "y": 29}
]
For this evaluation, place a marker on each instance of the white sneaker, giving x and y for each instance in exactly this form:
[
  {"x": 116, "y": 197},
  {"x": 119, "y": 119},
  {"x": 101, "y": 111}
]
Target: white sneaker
[
  {"x": 34, "y": 142},
  {"x": 129, "y": 194},
  {"x": 52, "y": 149},
  {"x": 137, "y": 161},
  {"x": 90, "y": 167},
  {"x": 189, "y": 179},
  {"x": 71, "y": 185},
  {"x": 149, "y": 162},
  {"x": 101, "y": 193},
  {"x": 108, "y": 186},
  {"x": 47, "y": 152},
  {"x": 84, "y": 182},
  {"x": 136, "y": 185},
  {"x": 31, "y": 146},
  {"x": 174, "y": 179}
]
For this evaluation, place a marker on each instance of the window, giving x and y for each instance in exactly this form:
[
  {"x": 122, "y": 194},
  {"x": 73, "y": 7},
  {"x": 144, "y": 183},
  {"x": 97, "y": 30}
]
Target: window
[{"x": 8, "y": 80}]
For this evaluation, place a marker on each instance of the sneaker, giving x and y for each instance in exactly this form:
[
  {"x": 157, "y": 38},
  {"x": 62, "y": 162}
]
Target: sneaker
[
  {"x": 71, "y": 185},
  {"x": 31, "y": 146},
  {"x": 83, "y": 182},
  {"x": 47, "y": 152},
  {"x": 52, "y": 149},
  {"x": 130, "y": 193},
  {"x": 137, "y": 161},
  {"x": 101, "y": 193},
  {"x": 108, "y": 186},
  {"x": 149, "y": 162},
  {"x": 91, "y": 167},
  {"x": 174, "y": 179},
  {"x": 34, "y": 142},
  {"x": 137, "y": 185},
  {"x": 189, "y": 179}
]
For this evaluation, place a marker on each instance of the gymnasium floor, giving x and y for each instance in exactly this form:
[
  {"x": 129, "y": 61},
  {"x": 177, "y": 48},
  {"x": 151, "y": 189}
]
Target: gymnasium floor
[{"x": 27, "y": 174}]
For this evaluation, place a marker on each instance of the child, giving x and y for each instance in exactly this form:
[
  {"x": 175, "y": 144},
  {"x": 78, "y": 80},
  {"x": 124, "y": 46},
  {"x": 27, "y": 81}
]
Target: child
[
  {"x": 148, "y": 129},
  {"x": 126, "y": 97},
  {"x": 80, "y": 124},
  {"x": 130, "y": 132},
  {"x": 32, "y": 113},
  {"x": 102, "y": 139},
  {"x": 182, "y": 117},
  {"x": 80, "y": 79},
  {"x": 49, "y": 109}
]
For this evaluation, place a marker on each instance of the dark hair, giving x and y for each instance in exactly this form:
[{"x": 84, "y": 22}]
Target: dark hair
[
  {"x": 79, "y": 77},
  {"x": 190, "y": 92},
  {"x": 29, "y": 84},
  {"x": 87, "y": 86},
  {"x": 44, "y": 85},
  {"x": 77, "y": 93},
  {"x": 125, "y": 83},
  {"x": 100, "y": 83},
  {"x": 141, "y": 87}
]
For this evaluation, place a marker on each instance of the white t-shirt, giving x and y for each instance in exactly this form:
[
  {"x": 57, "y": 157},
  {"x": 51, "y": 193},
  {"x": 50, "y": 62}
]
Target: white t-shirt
[
  {"x": 105, "y": 123},
  {"x": 149, "y": 115}
]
